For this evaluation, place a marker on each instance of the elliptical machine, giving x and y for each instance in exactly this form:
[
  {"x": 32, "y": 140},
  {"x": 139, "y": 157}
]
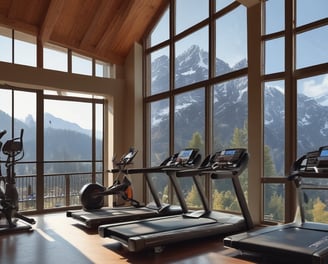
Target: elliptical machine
[
  {"x": 14, "y": 150},
  {"x": 92, "y": 194}
]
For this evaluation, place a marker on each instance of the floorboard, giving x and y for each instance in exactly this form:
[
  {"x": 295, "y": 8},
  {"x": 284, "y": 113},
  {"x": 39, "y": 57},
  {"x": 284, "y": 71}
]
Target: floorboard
[{"x": 56, "y": 239}]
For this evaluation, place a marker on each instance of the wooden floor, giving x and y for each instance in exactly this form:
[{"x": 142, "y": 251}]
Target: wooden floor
[{"x": 58, "y": 239}]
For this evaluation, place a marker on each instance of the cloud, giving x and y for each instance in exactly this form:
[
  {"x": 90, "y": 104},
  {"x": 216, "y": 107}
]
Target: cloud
[{"x": 316, "y": 87}]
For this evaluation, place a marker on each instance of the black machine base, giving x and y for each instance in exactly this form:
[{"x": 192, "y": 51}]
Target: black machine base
[{"x": 20, "y": 227}]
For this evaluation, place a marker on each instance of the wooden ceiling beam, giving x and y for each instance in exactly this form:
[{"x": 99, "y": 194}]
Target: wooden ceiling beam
[
  {"x": 17, "y": 25},
  {"x": 54, "y": 10}
]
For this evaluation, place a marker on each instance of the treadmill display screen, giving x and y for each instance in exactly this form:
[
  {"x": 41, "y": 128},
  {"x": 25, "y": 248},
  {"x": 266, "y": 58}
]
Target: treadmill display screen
[
  {"x": 229, "y": 152},
  {"x": 324, "y": 153},
  {"x": 229, "y": 157},
  {"x": 185, "y": 155}
]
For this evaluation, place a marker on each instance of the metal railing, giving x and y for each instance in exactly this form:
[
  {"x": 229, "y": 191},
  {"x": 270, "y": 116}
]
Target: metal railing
[{"x": 60, "y": 190}]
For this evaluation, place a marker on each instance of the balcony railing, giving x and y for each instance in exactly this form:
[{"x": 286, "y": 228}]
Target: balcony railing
[{"x": 60, "y": 190}]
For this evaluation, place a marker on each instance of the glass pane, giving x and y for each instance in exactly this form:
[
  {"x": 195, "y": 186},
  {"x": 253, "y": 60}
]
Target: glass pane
[
  {"x": 160, "y": 66},
  {"x": 189, "y": 120},
  {"x": 224, "y": 196},
  {"x": 231, "y": 41},
  {"x": 311, "y": 48},
  {"x": 274, "y": 128},
  {"x": 162, "y": 30},
  {"x": 6, "y": 50},
  {"x": 55, "y": 58},
  {"x": 312, "y": 113},
  {"x": 24, "y": 49},
  {"x": 81, "y": 64},
  {"x": 76, "y": 182},
  {"x": 222, "y": 3},
  {"x": 25, "y": 117},
  {"x": 274, "y": 202},
  {"x": 274, "y": 16},
  {"x": 67, "y": 130},
  {"x": 159, "y": 147},
  {"x": 315, "y": 201},
  {"x": 191, "y": 58},
  {"x": 230, "y": 114},
  {"x": 5, "y": 115},
  {"x": 159, "y": 132},
  {"x": 275, "y": 55},
  {"x": 99, "y": 131},
  {"x": 102, "y": 69},
  {"x": 189, "y": 13},
  {"x": 309, "y": 11},
  {"x": 26, "y": 186},
  {"x": 190, "y": 192},
  {"x": 162, "y": 185}
]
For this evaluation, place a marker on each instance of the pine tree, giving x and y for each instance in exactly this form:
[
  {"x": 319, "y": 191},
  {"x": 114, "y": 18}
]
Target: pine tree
[
  {"x": 276, "y": 208},
  {"x": 217, "y": 198},
  {"x": 319, "y": 213},
  {"x": 193, "y": 199},
  {"x": 196, "y": 141}
]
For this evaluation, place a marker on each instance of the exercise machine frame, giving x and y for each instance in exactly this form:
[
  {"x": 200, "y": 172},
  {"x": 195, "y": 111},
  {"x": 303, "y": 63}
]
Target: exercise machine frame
[{"x": 9, "y": 199}]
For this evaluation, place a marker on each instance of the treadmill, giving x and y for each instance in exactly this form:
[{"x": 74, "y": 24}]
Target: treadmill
[
  {"x": 92, "y": 218},
  {"x": 301, "y": 241},
  {"x": 155, "y": 233}
]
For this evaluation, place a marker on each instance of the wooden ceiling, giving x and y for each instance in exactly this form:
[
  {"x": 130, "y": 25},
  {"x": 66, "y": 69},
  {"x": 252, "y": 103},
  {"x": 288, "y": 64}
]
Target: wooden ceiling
[{"x": 103, "y": 29}]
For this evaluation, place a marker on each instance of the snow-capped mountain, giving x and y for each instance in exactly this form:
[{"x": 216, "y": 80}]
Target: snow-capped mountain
[{"x": 229, "y": 108}]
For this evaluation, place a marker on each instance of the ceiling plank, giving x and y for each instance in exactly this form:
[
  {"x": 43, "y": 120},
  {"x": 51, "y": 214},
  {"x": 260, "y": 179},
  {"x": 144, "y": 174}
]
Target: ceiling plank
[
  {"x": 100, "y": 17},
  {"x": 17, "y": 25},
  {"x": 103, "y": 29},
  {"x": 53, "y": 13},
  {"x": 115, "y": 25}
]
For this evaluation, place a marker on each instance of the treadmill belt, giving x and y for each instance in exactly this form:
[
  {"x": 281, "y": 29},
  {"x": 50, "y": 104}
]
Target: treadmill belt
[
  {"x": 158, "y": 225},
  {"x": 292, "y": 239},
  {"x": 103, "y": 213}
]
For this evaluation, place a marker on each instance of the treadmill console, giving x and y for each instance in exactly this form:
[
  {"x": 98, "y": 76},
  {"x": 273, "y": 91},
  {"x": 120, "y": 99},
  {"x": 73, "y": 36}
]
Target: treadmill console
[
  {"x": 228, "y": 158},
  {"x": 322, "y": 161},
  {"x": 307, "y": 162},
  {"x": 185, "y": 157},
  {"x": 313, "y": 161}
]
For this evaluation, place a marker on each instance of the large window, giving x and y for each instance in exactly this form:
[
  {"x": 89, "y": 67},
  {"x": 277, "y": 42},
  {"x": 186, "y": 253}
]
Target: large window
[
  {"x": 21, "y": 48},
  {"x": 295, "y": 68},
  {"x": 72, "y": 140},
  {"x": 187, "y": 104},
  {"x": 206, "y": 54}
]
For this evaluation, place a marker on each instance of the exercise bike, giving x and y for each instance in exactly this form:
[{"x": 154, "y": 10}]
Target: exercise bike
[
  {"x": 14, "y": 151},
  {"x": 92, "y": 194}
]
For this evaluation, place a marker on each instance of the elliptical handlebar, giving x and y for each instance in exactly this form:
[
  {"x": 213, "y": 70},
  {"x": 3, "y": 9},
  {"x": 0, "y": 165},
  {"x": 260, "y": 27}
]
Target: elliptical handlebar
[
  {"x": 14, "y": 147},
  {"x": 2, "y": 133}
]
